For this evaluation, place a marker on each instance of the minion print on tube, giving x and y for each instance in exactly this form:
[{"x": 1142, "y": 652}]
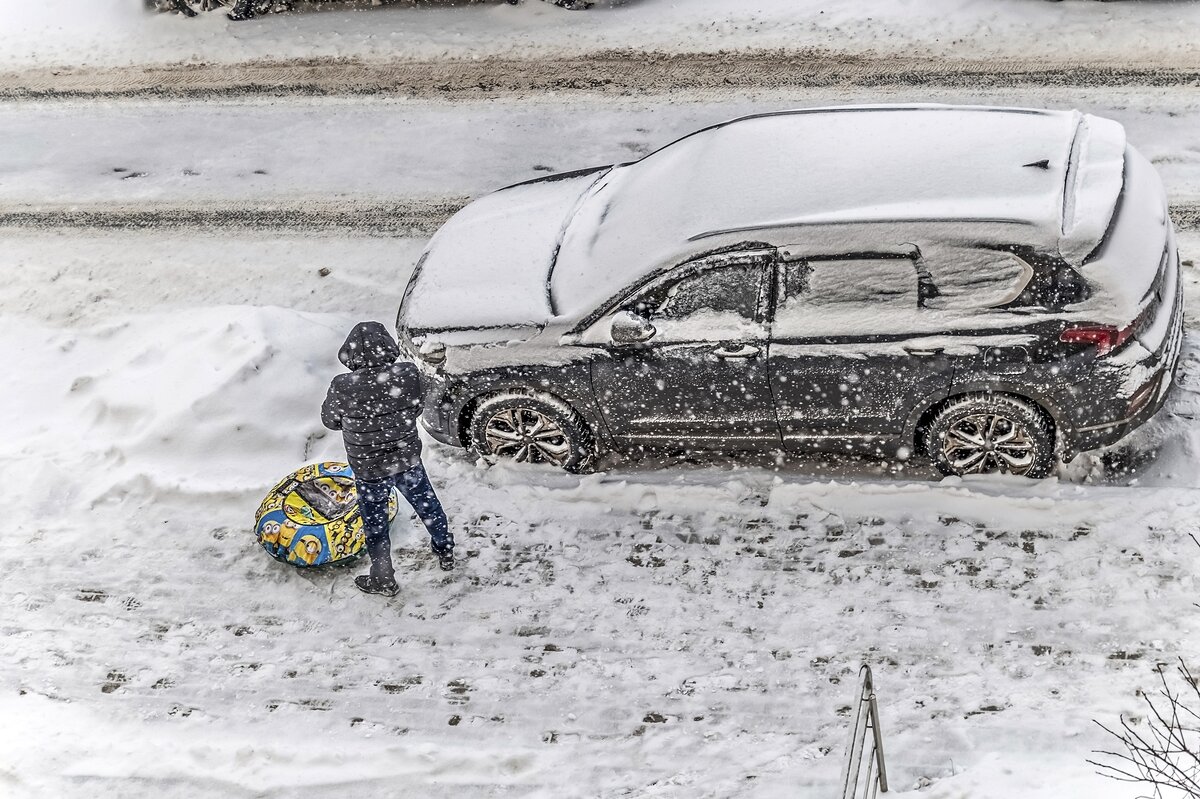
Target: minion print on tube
[{"x": 311, "y": 518}]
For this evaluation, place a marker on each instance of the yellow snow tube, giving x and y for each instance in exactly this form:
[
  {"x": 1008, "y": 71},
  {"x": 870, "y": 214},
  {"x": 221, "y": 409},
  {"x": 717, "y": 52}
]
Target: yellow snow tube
[{"x": 311, "y": 517}]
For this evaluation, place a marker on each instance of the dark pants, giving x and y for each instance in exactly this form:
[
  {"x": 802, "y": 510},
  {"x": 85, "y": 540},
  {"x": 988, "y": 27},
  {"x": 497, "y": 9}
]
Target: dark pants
[
  {"x": 242, "y": 9},
  {"x": 414, "y": 486}
]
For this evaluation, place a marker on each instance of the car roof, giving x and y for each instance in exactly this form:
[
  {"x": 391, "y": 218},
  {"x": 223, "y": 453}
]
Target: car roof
[{"x": 761, "y": 177}]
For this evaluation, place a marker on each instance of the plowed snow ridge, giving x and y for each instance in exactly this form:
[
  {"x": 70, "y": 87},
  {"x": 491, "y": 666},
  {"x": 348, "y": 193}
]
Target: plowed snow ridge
[
  {"x": 616, "y": 72},
  {"x": 417, "y": 217}
]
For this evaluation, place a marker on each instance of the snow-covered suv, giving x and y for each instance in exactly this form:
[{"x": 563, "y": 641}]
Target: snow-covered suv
[{"x": 993, "y": 286}]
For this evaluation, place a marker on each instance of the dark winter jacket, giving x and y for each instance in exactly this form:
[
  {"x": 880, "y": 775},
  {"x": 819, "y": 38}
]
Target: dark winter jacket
[{"x": 376, "y": 405}]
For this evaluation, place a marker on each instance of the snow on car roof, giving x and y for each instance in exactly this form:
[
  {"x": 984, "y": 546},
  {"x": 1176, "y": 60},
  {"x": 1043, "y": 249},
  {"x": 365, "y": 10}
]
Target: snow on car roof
[{"x": 828, "y": 166}]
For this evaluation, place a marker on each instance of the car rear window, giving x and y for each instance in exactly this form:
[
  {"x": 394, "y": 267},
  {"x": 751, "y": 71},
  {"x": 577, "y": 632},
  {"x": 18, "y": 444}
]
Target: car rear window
[{"x": 971, "y": 279}]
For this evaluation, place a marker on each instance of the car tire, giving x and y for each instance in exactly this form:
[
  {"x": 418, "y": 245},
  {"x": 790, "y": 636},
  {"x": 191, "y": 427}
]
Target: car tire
[
  {"x": 531, "y": 428},
  {"x": 989, "y": 434}
]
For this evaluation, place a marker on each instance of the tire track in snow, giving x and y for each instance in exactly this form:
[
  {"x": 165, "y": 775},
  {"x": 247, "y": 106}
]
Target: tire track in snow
[
  {"x": 417, "y": 217},
  {"x": 614, "y": 72},
  {"x": 414, "y": 217}
]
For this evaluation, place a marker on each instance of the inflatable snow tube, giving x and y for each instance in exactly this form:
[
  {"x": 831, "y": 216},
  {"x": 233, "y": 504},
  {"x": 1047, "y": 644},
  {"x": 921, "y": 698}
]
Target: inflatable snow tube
[{"x": 311, "y": 517}]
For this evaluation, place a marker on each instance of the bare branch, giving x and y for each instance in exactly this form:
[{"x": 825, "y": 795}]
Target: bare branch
[{"x": 1165, "y": 753}]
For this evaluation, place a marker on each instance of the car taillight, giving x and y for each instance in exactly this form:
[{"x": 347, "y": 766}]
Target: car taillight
[{"x": 1105, "y": 337}]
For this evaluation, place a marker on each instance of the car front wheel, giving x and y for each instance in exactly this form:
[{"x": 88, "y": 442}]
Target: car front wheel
[
  {"x": 991, "y": 434},
  {"x": 531, "y": 428}
]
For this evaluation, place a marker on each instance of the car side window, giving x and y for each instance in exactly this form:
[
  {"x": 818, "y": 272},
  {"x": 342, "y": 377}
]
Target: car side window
[
  {"x": 846, "y": 296},
  {"x": 729, "y": 289},
  {"x": 713, "y": 300}
]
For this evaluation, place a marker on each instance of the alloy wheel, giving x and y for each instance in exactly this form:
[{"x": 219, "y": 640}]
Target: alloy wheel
[
  {"x": 527, "y": 436},
  {"x": 985, "y": 443}
]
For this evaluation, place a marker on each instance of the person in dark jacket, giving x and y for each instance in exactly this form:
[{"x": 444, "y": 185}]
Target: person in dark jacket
[{"x": 376, "y": 406}]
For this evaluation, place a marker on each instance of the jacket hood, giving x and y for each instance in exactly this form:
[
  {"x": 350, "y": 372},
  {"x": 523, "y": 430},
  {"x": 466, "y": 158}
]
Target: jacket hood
[{"x": 369, "y": 344}]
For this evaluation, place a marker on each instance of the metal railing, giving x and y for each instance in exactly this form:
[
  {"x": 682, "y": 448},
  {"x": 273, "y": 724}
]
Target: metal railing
[{"x": 872, "y": 777}]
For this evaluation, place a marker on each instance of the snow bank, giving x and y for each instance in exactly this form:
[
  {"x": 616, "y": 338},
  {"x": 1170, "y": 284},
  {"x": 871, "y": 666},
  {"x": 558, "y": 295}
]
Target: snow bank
[{"x": 163, "y": 401}]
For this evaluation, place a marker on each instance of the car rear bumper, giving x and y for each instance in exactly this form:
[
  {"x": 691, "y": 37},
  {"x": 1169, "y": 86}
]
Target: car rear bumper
[
  {"x": 1105, "y": 435},
  {"x": 1143, "y": 404}
]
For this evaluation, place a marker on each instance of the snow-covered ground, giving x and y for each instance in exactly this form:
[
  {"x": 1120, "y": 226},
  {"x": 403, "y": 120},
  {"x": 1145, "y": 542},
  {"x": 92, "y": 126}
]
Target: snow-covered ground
[
  {"x": 654, "y": 630},
  {"x": 657, "y": 629},
  {"x": 119, "y": 32}
]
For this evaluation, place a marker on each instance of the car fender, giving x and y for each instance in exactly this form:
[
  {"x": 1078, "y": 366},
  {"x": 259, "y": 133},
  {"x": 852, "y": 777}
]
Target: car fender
[{"x": 571, "y": 384}]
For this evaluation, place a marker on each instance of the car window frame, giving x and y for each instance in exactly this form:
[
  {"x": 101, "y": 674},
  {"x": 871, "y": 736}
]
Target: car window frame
[
  {"x": 758, "y": 315},
  {"x": 767, "y": 257}
]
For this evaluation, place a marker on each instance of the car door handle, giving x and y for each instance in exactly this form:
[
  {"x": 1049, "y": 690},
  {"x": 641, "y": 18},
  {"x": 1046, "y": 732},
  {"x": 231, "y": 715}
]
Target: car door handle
[
  {"x": 926, "y": 351},
  {"x": 745, "y": 351}
]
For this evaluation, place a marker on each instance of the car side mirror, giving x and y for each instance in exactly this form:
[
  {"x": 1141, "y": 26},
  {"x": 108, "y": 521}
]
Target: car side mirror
[
  {"x": 432, "y": 352},
  {"x": 629, "y": 328}
]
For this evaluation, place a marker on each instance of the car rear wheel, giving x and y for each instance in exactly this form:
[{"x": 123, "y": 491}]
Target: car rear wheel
[
  {"x": 531, "y": 428},
  {"x": 991, "y": 434}
]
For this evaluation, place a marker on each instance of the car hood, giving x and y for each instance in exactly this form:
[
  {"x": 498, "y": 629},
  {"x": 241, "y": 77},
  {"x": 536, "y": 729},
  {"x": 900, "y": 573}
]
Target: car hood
[{"x": 488, "y": 267}]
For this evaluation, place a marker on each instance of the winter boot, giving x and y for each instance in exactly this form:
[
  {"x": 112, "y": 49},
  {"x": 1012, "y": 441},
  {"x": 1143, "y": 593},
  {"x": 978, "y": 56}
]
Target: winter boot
[
  {"x": 369, "y": 584},
  {"x": 446, "y": 560},
  {"x": 175, "y": 6},
  {"x": 242, "y": 9}
]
